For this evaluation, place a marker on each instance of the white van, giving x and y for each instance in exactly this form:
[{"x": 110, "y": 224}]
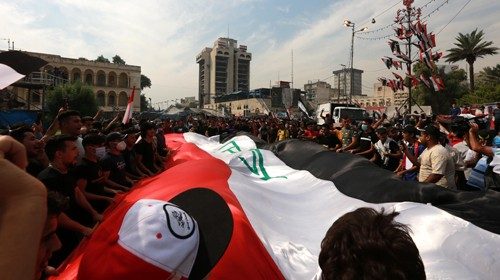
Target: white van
[{"x": 337, "y": 110}]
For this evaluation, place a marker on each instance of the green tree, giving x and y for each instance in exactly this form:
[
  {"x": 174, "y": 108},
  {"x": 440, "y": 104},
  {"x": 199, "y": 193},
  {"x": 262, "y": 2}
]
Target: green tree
[
  {"x": 487, "y": 87},
  {"x": 101, "y": 58},
  {"x": 484, "y": 93},
  {"x": 145, "y": 82},
  {"x": 470, "y": 47},
  {"x": 78, "y": 97},
  {"x": 118, "y": 60},
  {"x": 440, "y": 101},
  {"x": 490, "y": 75}
]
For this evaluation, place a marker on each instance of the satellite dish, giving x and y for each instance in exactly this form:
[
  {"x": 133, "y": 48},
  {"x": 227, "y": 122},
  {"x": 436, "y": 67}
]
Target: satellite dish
[{"x": 373, "y": 20}]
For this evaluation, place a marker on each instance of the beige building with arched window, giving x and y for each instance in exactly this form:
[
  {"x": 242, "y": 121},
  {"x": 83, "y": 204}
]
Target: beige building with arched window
[
  {"x": 112, "y": 83},
  {"x": 383, "y": 96}
]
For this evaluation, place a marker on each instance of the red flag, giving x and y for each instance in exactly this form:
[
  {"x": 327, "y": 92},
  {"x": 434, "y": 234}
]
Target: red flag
[
  {"x": 437, "y": 56},
  {"x": 425, "y": 81},
  {"x": 397, "y": 76},
  {"x": 108, "y": 244},
  {"x": 437, "y": 83},
  {"x": 128, "y": 112},
  {"x": 397, "y": 64},
  {"x": 388, "y": 62},
  {"x": 413, "y": 80}
]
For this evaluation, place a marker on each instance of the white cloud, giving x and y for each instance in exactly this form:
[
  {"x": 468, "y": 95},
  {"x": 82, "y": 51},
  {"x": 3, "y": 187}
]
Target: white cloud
[
  {"x": 283, "y": 9},
  {"x": 163, "y": 37},
  {"x": 320, "y": 47}
]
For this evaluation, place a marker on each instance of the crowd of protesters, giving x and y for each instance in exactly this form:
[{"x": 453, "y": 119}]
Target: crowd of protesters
[
  {"x": 448, "y": 151},
  {"x": 83, "y": 162}
]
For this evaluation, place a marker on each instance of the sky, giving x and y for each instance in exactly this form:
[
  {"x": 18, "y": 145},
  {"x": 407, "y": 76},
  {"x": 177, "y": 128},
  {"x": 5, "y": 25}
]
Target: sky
[{"x": 164, "y": 36}]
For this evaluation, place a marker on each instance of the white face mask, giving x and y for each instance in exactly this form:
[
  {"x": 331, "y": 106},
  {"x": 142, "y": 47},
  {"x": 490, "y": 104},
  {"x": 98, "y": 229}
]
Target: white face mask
[
  {"x": 121, "y": 146},
  {"x": 100, "y": 152}
]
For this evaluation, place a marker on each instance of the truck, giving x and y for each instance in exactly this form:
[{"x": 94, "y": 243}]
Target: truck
[{"x": 339, "y": 110}]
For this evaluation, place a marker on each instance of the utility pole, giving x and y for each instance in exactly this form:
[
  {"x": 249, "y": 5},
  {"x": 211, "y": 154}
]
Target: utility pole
[
  {"x": 408, "y": 65},
  {"x": 345, "y": 81},
  {"x": 348, "y": 23},
  {"x": 352, "y": 65},
  {"x": 426, "y": 41}
]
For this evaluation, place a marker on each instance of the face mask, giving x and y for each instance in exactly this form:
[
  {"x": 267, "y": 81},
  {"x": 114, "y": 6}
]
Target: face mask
[
  {"x": 121, "y": 146},
  {"x": 100, "y": 152},
  {"x": 364, "y": 127}
]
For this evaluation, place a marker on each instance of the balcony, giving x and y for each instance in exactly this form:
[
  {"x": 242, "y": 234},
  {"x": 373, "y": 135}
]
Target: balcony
[{"x": 40, "y": 80}]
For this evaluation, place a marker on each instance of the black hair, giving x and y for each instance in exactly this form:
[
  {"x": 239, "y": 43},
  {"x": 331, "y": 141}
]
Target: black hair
[
  {"x": 366, "y": 244},
  {"x": 19, "y": 132},
  {"x": 57, "y": 143},
  {"x": 93, "y": 139},
  {"x": 67, "y": 114},
  {"x": 145, "y": 127}
]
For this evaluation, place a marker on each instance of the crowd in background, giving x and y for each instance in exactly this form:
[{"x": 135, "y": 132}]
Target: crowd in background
[{"x": 84, "y": 161}]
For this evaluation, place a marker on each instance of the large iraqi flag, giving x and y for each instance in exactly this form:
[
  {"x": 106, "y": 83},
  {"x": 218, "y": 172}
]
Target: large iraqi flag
[{"x": 241, "y": 209}]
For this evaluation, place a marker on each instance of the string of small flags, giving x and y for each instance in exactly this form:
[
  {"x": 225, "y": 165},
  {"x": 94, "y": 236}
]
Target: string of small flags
[
  {"x": 395, "y": 23},
  {"x": 425, "y": 43}
]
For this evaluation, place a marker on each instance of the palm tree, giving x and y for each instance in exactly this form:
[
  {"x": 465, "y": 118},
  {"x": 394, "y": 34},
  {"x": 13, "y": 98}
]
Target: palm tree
[{"x": 469, "y": 48}]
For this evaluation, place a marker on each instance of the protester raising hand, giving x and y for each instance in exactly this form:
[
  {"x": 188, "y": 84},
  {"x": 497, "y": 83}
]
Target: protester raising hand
[{"x": 23, "y": 211}]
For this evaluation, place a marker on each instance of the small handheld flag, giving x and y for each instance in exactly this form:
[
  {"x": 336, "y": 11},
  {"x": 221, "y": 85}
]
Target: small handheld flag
[{"x": 128, "y": 112}]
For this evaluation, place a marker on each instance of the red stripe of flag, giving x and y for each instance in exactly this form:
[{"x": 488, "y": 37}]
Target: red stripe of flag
[{"x": 190, "y": 167}]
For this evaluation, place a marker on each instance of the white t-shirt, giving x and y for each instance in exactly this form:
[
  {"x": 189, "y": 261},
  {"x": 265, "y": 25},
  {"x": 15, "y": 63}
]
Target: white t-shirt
[
  {"x": 495, "y": 163},
  {"x": 81, "y": 150},
  {"x": 437, "y": 160}
]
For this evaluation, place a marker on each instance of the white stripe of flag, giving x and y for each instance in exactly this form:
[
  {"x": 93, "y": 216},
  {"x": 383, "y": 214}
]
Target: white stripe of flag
[{"x": 291, "y": 210}]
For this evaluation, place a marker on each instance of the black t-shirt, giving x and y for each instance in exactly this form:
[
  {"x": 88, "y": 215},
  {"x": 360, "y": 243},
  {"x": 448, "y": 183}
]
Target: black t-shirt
[
  {"x": 328, "y": 140},
  {"x": 162, "y": 147},
  {"x": 273, "y": 133},
  {"x": 366, "y": 139},
  {"x": 115, "y": 164},
  {"x": 130, "y": 165},
  {"x": 64, "y": 184},
  {"x": 145, "y": 149},
  {"x": 34, "y": 167},
  {"x": 90, "y": 171}
]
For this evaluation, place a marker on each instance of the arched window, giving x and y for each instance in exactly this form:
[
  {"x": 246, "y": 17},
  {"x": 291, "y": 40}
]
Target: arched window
[
  {"x": 111, "y": 99},
  {"x": 122, "y": 99},
  {"x": 100, "y": 98},
  {"x": 112, "y": 79},
  {"x": 76, "y": 75},
  {"x": 101, "y": 78},
  {"x": 123, "y": 80},
  {"x": 89, "y": 77}
]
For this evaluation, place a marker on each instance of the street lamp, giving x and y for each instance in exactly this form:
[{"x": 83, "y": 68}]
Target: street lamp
[{"x": 348, "y": 23}]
